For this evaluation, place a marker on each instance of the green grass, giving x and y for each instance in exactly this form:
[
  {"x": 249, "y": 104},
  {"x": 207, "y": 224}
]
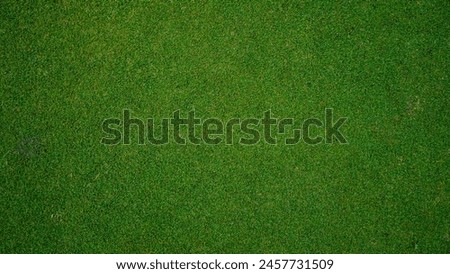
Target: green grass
[{"x": 65, "y": 67}]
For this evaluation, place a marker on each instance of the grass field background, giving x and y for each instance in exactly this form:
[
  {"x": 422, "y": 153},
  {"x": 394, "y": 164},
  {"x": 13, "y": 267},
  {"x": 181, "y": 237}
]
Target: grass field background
[{"x": 67, "y": 65}]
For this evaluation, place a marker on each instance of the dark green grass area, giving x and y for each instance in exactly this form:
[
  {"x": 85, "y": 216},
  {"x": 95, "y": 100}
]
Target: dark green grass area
[{"x": 66, "y": 66}]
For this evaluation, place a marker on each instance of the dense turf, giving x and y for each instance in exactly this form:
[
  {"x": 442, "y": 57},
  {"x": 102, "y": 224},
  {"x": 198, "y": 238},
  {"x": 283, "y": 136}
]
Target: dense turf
[{"x": 65, "y": 67}]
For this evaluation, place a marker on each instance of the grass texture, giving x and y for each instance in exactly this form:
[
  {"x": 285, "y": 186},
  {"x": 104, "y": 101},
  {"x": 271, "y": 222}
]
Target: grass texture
[{"x": 67, "y": 65}]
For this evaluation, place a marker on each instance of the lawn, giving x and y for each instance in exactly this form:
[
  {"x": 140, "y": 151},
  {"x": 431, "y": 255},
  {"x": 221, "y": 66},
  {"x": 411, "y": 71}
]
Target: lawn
[{"x": 65, "y": 66}]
